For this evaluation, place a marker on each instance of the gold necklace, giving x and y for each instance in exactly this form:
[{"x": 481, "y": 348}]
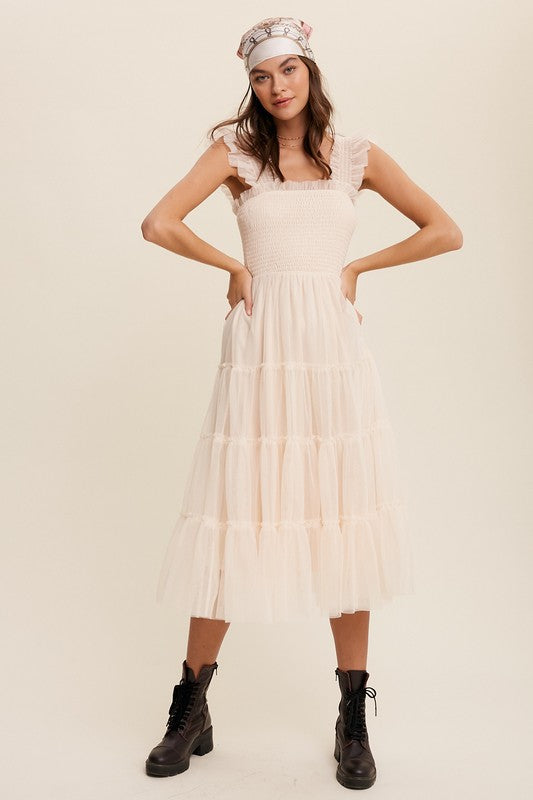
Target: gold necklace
[{"x": 290, "y": 138}]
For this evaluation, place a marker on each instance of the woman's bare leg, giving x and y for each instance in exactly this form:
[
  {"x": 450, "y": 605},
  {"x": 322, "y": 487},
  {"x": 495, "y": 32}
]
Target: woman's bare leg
[
  {"x": 350, "y": 632},
  {"x": 205, "y": 639}
]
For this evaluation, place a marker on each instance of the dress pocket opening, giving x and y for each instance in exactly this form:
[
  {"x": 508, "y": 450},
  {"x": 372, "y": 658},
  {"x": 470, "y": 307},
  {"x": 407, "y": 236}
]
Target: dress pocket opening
[
  {"x": 353, "y": 307},
  {"x": 230, "y": 312}
]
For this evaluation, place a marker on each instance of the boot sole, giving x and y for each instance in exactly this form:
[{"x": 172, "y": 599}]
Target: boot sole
[
  {"x": 202, "y": 745},
  {"x": 349, "y": 781}
]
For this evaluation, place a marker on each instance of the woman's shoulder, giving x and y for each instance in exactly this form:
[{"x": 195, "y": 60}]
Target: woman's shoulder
[{"x": 355, "y": 140}]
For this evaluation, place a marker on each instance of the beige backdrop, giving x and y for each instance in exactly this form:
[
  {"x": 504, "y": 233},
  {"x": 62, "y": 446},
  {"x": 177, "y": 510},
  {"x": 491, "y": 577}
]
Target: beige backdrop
[{"x": 109, "y": 350}]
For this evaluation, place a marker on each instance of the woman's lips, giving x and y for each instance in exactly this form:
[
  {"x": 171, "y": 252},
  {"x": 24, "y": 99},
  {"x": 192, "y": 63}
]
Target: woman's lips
[{"x": 283, "y": 103}]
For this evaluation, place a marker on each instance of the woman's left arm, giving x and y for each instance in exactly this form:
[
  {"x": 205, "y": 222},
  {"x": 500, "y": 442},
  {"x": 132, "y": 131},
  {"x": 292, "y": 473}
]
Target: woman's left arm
[{"x": 438, "y": 232}]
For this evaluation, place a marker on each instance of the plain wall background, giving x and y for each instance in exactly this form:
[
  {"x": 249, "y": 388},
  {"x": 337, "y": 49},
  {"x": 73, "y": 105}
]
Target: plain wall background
[{"x": 110, "y": 345}]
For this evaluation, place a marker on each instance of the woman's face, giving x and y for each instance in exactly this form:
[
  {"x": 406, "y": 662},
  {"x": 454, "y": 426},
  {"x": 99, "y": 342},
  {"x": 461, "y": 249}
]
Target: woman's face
[{"x": 284, "y": 76}]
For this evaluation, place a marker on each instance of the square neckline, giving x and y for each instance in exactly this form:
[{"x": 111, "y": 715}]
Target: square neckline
[
  {"x": 265, "y": 182},
  {"x": 277, "y": 181},
  {"x": 331, "y": 163}
]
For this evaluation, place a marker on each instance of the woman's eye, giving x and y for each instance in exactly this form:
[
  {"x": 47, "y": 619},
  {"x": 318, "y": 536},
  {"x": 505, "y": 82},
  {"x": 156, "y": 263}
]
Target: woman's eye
[{"x": 291, "y": 67}]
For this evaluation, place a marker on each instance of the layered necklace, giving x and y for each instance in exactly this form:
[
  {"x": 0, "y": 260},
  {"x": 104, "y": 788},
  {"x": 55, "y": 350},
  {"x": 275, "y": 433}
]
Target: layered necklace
[{"x": 289, "y": 138}]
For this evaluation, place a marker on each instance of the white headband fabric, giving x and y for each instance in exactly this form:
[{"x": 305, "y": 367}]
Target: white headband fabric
[{"x": 275, "y": 36}]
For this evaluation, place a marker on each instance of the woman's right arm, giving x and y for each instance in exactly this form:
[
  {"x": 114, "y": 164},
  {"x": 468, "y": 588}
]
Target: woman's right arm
[{"x": 164, "y": 224}]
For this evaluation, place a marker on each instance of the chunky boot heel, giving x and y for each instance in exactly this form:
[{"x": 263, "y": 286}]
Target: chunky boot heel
[
  {"x": 356, "y": 768},
  {"x": 189, "y": 728},
  {"x": 204, "y": 743}
]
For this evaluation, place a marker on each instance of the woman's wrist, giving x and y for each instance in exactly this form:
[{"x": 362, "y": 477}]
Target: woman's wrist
[
  {"x": 355, "y": 268},
  {"x": 235, "y": 267}
]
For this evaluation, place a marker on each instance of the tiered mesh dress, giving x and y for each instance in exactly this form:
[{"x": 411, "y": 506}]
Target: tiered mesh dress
[{"x": 294, "y": 506}]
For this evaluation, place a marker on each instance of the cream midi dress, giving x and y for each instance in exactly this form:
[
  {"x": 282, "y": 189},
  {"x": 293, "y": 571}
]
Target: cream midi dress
[{"x": 294, "y": 506}]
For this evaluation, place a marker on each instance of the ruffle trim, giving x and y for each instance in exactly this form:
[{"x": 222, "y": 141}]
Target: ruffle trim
[
  {"x": 316, "y": 522},
  {"x": 247, "y": 167},
  {"x": 350, "y": 366},
  {"x": 346, "y": 180},
  {"x": 276, "y": 185},
  {"x": 288, "y": 570},
  {"x": 281, "y": 441},
  {"x": 358, "y": 147}
]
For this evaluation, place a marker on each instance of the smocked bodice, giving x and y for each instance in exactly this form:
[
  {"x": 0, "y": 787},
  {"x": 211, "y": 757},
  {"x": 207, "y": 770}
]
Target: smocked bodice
[
  {"x": 302, "y": 229},
  {"x": 297, "y": 225}
]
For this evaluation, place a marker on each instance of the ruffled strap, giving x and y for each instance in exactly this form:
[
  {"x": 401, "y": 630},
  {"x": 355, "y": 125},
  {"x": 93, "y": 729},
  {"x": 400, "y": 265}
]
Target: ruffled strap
[
  {"x": 247, "y": 166},
  {"x": 356, "y": 159}
]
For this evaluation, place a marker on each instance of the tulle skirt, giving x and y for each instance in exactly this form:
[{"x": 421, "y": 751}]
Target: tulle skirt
[{"x": 294, "y": 506}]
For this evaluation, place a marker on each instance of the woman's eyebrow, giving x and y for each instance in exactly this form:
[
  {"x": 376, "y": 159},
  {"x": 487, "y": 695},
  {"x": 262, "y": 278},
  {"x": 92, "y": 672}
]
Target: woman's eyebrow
[{"x": 255, "y": 69}]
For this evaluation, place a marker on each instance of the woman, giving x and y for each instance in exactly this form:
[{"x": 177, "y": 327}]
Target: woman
[{"x": 292, "y": 507}]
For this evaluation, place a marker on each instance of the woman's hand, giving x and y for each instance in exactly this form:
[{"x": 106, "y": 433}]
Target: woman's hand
[
  {"x": 240, "y": 288},
  {"x": 349, "y": 282},
  {"x": 349, "y": 275}
]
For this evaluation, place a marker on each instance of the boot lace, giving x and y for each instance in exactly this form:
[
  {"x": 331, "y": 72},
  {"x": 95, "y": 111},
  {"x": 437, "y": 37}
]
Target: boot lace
[
  {"x": 355, "y": 711},
  {"x": 183, "y": 699}
]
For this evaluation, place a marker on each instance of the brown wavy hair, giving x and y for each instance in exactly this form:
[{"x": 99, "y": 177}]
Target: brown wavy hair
[{"x": 256, "y": 131}]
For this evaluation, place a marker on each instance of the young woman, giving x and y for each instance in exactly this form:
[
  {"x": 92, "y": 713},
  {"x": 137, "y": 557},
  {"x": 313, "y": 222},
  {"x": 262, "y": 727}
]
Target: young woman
[{"x": 293, "y": 506}]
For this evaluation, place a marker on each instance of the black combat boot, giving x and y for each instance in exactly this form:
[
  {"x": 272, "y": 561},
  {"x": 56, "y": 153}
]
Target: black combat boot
[
  {"x": 356, "y": 769},
  {"x": 189, "y": 728}
]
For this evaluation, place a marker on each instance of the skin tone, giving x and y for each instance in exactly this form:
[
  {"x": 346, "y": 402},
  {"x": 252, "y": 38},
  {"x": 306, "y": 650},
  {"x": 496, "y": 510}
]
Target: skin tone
[
  {"x": 272, "y": 79},
  {"x": 350, "y": 633},
  {"x": 205, "y": 640}
]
